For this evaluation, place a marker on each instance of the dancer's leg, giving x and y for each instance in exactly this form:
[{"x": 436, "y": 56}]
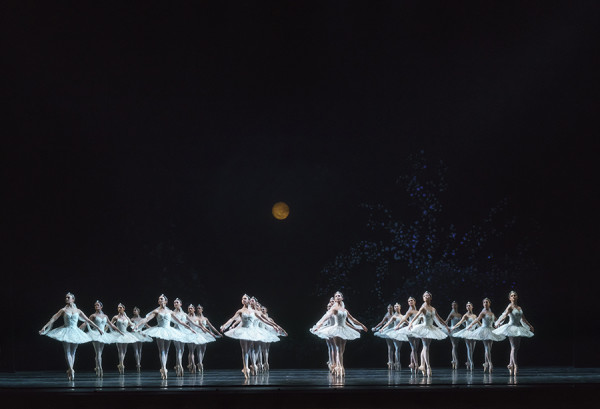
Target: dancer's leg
[
  {"x": 137, "y": 351},
  {"x": 454, "y": 342},
  {"x": 201, "y": 351},
  {"x": 122, "y": 350},
  {"x": 397, "y": 345}
]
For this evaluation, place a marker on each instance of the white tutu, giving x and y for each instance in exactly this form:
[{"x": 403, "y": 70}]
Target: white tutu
[
  {"x": 484, "y": 333},
  {"x": 427, "y": 330},
  {"x": 400, "y": 334},
  {"x": 69, "y": 334},
  {"x": 270, "y": 333},
  {"x": 515, "y": 326},
  {"x": 141, "y": 337},
  {"x": 105, "y": 338},
  {"x": 463, "y": 333},
  {"x": 245, "y": 333},
  {"x": 339, "y": 331},
  {"x": 508, "y": 330}
]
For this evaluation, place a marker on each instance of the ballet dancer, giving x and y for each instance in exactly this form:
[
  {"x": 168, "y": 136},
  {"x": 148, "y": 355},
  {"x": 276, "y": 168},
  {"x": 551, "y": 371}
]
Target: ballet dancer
[
  {"x": 122, "y": 321},
  {"x": 451, "y": 321},
  {"x": 260, "y": 323},
  {"x": 427, "y": 331},
  {"x": 516, "y": 328},
  {"x": 267, "y": 345},
  {"x": 393, "y": 337},
  {"x": 69, "y": 334},
  {"x": 100, "y": 340},
  {"x": 245, "y": 331},
  {"x": 198, "y": 344},
  {"x": 485, "y": 333},
  {"x": 340, "y": 332},
  {"x": 467, "y": 319},
  {"x": 328, "y": 341},
  {"x": 401, "y": 331},
  {"x": 163, "y": 332},
  {"x": 141, "y": 338},
  {"x": 188, "y": 335}
]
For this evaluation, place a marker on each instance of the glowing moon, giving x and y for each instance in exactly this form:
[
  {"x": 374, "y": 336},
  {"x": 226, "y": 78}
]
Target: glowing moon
[{"x": 280, "y": 210}]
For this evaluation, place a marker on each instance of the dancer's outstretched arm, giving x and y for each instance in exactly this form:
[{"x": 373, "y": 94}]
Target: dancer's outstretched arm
[
  {"x": 86, "y": 319},
  {"x": 477, "y": 320},
  {"x": 199, "y": 325},
  {"x": 500, "y": 320},
  {"x": 181, "y": 322},
  {"x": 325, "y": 317},
  {"x": 148, "y": 317},
  {"x": 50, "y": 323},
  {"x": 439, "y": 319},
  {"x": 523, "y": 320},
  {"x": 417, "y": 315},
  {"x": 215, "y": 332},
  {"x": 357, "y": 322},
  {"x": 385, "y": 320},
  {"x": 231, "y": 320},
  {"x": 403, "y": 320},
  {"x": 459, "y": 323}
]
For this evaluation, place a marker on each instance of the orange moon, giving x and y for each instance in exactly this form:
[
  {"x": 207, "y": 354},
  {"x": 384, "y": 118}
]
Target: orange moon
[{"x": 280, "y": 210}]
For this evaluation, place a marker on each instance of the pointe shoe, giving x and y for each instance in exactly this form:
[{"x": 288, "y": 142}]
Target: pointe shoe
[
  {"x": 69, "y": 375},
  {"x": 267, "y": 367},
  {"x": 121, "y": 368},
  {"x": 101, "y": 373},
  {"x": 180, "y": 369},
  {"x": 429, "y": 371},
  {"x": 485, "y": 367},
  {"x": 422, "y": 369},
  {"x": 515, "y": 370},
  {"x": 139, "y": 367},
  {"x": 490, "y": 368},
  {"x": 200, "y": 368},
  {"x": 246, "y": 372},
  {"x": 389, "y": 365},
  {"x": 97, "y": 370},
  {"x": 191, "y": 367}
]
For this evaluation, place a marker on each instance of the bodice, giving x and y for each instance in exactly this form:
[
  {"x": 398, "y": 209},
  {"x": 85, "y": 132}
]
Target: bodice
[
  {"x": 163, "y": 319},
  {"x": 487, "y": 320},
  {"x": 454, "y": 321},
  {"x": 247, "y": 318},
  {"x": 429, "y": 318},
  {"x": 122, "y": 324},
  {"x": 71, "y": 320},
  {"x": 100, "y": 322},
  {"x": 339, "y": 319},
  {"x": 515, "y": 317}
]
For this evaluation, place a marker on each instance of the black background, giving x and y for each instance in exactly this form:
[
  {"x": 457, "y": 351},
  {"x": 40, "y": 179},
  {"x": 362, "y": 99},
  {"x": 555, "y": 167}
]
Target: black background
[{"x": 147, "y": 143}]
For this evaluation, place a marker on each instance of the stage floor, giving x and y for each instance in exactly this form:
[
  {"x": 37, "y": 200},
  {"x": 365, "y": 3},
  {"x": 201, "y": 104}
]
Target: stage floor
[{"x": 296, "y": 388}]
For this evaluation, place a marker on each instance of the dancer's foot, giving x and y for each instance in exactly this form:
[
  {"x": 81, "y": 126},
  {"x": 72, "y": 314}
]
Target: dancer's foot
[
  {"x": 246, "y": 372},
  {"x": 515, "y": 370},
  {"x": 139, "y": 367},
  {"x": 422, "y": 369},
  {"x": 428, "y": 371},
  {"x": 485, "y": 366},
  {"x": 69, "y": 376},
  {"x": 121, "y": 368},
  {"x": 191, "y": 367}
]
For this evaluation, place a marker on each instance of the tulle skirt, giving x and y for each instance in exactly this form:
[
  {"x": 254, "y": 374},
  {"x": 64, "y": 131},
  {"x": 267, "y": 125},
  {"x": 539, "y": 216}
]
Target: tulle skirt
[
  {"x": 463, "y": 333},
  {"x": 401, "y": 334},
  {"x": 339, "y": 331},
  {"x": 245, "y": 333},
  {"x": 105, "y": 338},
  {"x": 270, "y": 334},
  {"x": 168, "y": 333},
  {"x": 428, "y": 332},
  {"x": 71, "y": 335},
  {"x": 141, "y": 337},
  {"x": 200, "y": 338},
  {"x": 511, "y": 330},
  {"x": 484, "y": 334},
  {"x": 126, "y": 338}
]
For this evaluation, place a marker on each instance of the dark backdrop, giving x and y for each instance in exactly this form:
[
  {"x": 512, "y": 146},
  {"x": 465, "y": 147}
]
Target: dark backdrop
[{"x": 148, "y": 142}]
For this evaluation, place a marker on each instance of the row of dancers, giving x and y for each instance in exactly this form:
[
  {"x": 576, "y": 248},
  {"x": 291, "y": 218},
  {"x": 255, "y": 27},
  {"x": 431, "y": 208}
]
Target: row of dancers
[
  {"x": 417, "y": 327},
  {"x": 192, "y": 329},
  {"x": 255, "y": 330}
]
